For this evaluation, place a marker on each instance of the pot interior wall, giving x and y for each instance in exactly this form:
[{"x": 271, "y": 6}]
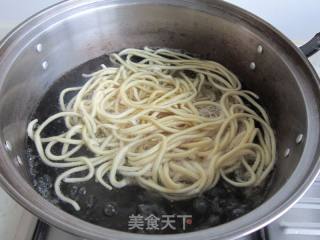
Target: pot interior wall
[{"x": 69, "y": 39}]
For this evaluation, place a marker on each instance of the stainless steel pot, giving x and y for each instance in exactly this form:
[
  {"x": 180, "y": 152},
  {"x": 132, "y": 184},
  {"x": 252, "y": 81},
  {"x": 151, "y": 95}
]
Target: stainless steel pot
[{"x": 61, "y": 37}]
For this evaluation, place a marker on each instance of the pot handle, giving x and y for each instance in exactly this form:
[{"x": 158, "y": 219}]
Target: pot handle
[{"x": 312, "y": 46}]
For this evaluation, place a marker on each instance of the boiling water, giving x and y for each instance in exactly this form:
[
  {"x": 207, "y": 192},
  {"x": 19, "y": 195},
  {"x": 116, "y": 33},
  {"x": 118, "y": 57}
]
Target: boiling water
[{"x": 117, "y": 209}]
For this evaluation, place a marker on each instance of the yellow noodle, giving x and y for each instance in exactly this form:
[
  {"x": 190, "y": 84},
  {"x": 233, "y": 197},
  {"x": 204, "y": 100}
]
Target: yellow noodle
[{"x": 169, "y": 122}]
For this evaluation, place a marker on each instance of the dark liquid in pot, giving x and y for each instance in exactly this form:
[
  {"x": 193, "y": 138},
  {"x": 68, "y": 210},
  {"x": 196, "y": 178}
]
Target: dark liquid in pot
[{"x": 119, "y": 208}]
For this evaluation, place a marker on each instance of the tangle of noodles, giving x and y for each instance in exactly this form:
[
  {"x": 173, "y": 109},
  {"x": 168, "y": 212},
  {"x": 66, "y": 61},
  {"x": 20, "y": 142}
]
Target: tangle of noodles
[{"x": 161, "y": 119}]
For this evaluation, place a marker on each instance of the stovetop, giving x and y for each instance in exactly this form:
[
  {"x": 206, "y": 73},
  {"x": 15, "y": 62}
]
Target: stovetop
[{"x": 301, "y": 222}]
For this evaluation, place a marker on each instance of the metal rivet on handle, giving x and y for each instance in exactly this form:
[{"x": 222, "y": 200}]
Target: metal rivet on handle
[
  {"x": 252, "y": 65},
  {"x": 259, "y": 49},
  {"x": 44, "y": 65},
  {"x": 299, "y": 138},
  {"x": 39, "y": 47},
  {"x": 8, "y": 146},
  {"x": 286, "y": 152}
]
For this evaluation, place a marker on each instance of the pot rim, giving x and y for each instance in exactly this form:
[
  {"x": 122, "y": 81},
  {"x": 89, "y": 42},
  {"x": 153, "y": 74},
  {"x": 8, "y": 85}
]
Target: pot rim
[{"x": 25, "y": 195}]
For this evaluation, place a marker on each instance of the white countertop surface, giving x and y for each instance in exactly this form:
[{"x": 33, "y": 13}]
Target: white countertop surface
[{"x": 296, "y": 19}]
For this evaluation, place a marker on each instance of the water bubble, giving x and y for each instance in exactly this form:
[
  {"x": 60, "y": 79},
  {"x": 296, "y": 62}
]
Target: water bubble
[
  {"x": 33, "y": 165},
  {"x": 45, "y": 193},
  {"x": 150, "y": 208},
  {"x": 216, "y": 192},
  {"x": 145, "y": 209},
  {"x": 90, "y": 201},
  {"x": 36, "y": 163},
  {"x": 110, "y": 209},
  {"x": 29, "y": 150},
  {"x": 33, "y": 172},
  {"x": 54, "y": 201},
  {"x": 215, "y": 206},
  {"x": 31, "y": 160},
  {"x": 40, "y": 181},
  {"x": 34, "y": 182},
  {"x": 74, "y": 191},
  {"x": 213, "y": 220},
  {"x": 141, "y": 197},
  {"x": 83, "y": 191},
  {"x": 239, "y": 211},
  {"x": 200, "y": 205},
  {"x": 47, "y": 181},
  {"x": 60, "y": 121},
  {"x": 42, "y": 187},
  {"x": 230, "y": 203}
]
